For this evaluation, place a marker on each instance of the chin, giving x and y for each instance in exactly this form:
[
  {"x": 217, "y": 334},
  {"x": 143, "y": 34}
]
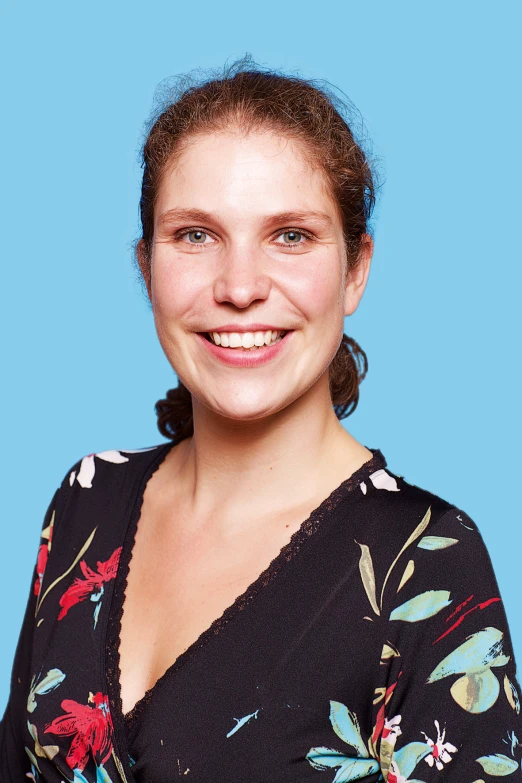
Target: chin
[{"x": 247, "y": 411}]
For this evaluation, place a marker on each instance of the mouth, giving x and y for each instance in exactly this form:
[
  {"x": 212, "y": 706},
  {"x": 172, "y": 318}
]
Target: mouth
[{"x": 279, "y": 335}]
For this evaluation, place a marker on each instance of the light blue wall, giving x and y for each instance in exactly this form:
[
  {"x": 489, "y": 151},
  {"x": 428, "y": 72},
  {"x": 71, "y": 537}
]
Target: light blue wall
[{"x": 437, "y": 84}]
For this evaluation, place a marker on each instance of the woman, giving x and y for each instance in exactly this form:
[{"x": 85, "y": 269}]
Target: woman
[{"x": 261, "y": 598}]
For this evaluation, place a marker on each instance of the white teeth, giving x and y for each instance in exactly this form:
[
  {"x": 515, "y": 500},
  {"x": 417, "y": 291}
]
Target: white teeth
[{"x": 247, "y": 340}]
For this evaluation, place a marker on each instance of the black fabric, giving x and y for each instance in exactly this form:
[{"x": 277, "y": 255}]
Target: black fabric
[{"x": 374, "y": 647}]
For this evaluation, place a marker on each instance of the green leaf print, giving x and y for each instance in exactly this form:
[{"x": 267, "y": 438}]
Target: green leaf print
[
  {"x": 407, "y": 758},
  {"x": 350, "y": 768},
  {"x": 32, "y": 759},
  {"x": 408, "y": 573},
  {"x": 51, "y": 681},
  {"x": 43, "y": 751},
  {"x": 476, "y": 693},
  {"x": 479, "y": 688},
  {"x": 479, "y": 652},
  {"x": 355, "y": 769},
  {"x": 419, "y": 530},
  {"x": 422, "y": 606},
  {"x": 102, "y": 776},
  {"x": 368, "y": 576},
  {"x": 436, "y": 542},
  {"x": 498, "y": 765},
  {"x": 325, "y": 758},
  {"x": 346, "y": 726},
  {"x": 511, "y": 694}
]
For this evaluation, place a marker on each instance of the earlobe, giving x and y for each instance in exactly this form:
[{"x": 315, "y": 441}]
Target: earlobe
[
  {"x": 358, "y": 276},
  {"x": 144, "y": 264}
]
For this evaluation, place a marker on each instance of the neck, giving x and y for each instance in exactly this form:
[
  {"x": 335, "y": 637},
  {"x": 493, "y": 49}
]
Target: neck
[{"x": 266, "y": 466}]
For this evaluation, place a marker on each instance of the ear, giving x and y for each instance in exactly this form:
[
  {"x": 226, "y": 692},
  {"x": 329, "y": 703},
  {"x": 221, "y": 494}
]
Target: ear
[
  {"x": 358, "y": 276},
  {"x": 144, "y": 264}
]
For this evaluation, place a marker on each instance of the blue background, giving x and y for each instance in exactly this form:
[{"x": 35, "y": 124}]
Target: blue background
[{"x": 438, "y": 87}]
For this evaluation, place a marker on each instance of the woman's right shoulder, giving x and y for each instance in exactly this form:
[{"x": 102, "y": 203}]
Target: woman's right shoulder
[
  {"x": 86, "y": 471},
  {"x": 103, "y": 482}
]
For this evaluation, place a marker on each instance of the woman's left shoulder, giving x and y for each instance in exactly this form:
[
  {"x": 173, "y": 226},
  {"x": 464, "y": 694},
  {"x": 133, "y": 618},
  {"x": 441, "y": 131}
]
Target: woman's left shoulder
[
  {"x": 401, "y": 515},
  {"x": 388, "y": 498}
]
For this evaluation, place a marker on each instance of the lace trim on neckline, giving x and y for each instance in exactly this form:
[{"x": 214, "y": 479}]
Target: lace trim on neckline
[{"x": 130, "y": 720}]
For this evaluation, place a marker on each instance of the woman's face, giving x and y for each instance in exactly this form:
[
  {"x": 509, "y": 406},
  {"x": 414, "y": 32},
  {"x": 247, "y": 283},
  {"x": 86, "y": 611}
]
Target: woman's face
[{"x": 248, "y": 239}]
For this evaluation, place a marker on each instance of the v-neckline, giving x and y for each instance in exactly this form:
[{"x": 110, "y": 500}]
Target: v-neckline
[{"x": 122, "y": 721}]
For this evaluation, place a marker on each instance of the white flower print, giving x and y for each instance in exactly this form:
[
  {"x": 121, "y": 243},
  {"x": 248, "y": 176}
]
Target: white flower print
[
  {"x": 87, "y": 468},
  {"x": 441, "y": 750},
  {"x": 382, "y": 480},
  {"x": 391, "y": 729}
]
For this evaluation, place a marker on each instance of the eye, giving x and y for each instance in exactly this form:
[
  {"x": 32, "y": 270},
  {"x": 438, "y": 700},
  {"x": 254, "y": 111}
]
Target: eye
[
  {"x": 194, "y": 236},
  {"x": 293, "y": 238},
  {"x": 197, "y": 237}
]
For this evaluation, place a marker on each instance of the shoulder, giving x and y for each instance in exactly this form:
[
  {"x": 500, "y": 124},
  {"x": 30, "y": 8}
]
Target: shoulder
[
  {"x": 393, "y": 509},
  {"x": 93, "y": 503},
  {"x": 92, "y": 468},
  {"x": 433, "y": 538},
  {"x": 411, "y": 527},
  {"x": 103, "y": 481}
]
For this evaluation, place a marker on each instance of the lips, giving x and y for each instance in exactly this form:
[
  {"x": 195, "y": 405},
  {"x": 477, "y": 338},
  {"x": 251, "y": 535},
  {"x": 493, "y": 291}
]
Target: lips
[{"x": 244, "y": 357}]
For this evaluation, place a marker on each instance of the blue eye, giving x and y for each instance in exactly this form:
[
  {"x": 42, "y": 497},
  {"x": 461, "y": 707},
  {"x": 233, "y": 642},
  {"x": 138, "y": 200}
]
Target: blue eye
[
  {"x": 196, "y": 237},
  {"x": 292, "y": 237}
]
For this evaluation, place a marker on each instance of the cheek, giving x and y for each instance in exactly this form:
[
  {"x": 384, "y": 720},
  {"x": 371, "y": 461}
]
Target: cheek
[
  {"x": 318, "y": 288},
  {"x": 176, "y": 288}
]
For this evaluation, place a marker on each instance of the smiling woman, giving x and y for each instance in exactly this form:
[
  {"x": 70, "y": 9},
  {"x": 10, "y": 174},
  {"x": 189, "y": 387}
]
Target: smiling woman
[
  {"x": 260, "y": 598},
  {"x": 276, "y": 248}
]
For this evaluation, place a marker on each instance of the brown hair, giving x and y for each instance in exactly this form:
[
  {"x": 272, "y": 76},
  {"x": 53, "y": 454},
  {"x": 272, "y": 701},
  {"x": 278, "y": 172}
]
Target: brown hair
[{"x": 247, "y": 96}]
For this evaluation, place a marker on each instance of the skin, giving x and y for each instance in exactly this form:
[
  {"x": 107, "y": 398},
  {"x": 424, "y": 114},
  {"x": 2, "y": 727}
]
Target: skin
[
  {"x": 266, "y": 439},
  {"x": 276, "y": 418}
]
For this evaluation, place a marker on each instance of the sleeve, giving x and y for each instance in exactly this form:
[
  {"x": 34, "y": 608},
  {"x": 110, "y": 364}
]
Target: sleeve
[
  {"x": 447, "y": 706},
  {"x": 14, "y": 762}
]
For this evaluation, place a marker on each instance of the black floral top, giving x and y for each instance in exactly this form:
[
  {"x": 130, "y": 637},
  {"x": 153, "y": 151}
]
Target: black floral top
[{"x": 374, "y": 647}]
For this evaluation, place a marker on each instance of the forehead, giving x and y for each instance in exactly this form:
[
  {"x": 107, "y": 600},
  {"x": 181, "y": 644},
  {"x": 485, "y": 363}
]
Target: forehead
[{"x": 244, "y": 175}]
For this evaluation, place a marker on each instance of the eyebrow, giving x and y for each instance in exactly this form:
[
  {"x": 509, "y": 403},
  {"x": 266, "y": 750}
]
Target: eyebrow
[
  {"x": 283, "y": 218},
  {"x": 299, "y": 217},
  {"x": 184, "y": 215}
]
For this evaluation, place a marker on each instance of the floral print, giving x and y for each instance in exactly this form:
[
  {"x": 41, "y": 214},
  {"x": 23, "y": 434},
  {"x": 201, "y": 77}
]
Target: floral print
[
  {"x": 90, "y": 725},
  {"x": 476, "y": 690},
  {"x": 91, "y": 586},
  {"x": 352, "y": 764},
  {"x": 85, "y": 475},
  {"x": 441, "y": 750},
  {"x": 52, "y": 680},
  {"x": 374, "y": 648},
  {"x": 43, "y": 554}
]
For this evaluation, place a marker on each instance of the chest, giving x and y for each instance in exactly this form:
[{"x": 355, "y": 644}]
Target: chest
[
  {"x": 251, "y": 694},
  {"x": 180, "y": 583}
]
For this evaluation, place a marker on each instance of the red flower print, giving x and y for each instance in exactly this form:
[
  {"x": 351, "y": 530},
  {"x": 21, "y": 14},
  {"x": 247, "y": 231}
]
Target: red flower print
[
  {"x": 43, "y": 554},
  {"x": 92, "y": 586},
  {"x": 381, "y": 718},
  {"x": 91, "y": 727}
]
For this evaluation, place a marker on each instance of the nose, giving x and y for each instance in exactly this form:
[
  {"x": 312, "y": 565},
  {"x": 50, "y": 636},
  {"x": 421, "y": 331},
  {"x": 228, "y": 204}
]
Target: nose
[{"x": 242, "y": 277}]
